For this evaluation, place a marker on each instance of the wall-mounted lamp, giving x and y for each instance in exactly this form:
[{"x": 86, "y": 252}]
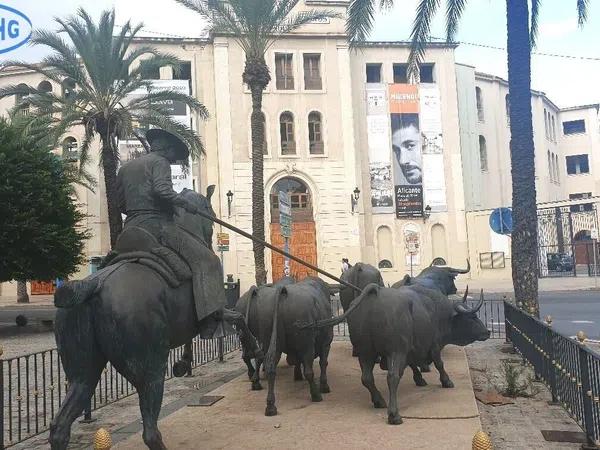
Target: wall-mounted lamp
[
  {"x": 426, "y": 213},
  {"x": 229, "y": 202},
  {"x": 354, "y": 198}
]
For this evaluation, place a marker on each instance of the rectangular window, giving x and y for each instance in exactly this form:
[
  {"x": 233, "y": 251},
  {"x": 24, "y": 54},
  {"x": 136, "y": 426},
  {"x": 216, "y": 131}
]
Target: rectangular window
[
  {"x": 574, "y": 127},
  {"x": 400, "y": 73},
  {"x": 577, "y": 164},
  {"x": 312, "y": 71},
  {"x": 426, "y": 73},
  {"x": 284, "y": 71},
  {"x": 373, "y": 73},
  {"x": 184, "y": 72}
]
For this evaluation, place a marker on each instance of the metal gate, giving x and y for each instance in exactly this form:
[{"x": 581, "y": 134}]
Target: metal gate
[{"x": 565, "y": 240}]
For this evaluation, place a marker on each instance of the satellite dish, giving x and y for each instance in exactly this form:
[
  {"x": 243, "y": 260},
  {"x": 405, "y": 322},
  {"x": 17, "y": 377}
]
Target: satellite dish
[{"x": 501, "y": 221}]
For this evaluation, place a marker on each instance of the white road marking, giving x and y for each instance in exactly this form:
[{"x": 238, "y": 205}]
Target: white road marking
[{"x": 581, "y": 321}]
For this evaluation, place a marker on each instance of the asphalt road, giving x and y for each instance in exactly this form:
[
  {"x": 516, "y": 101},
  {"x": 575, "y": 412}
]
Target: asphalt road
[{"x": 571, "y": 311}]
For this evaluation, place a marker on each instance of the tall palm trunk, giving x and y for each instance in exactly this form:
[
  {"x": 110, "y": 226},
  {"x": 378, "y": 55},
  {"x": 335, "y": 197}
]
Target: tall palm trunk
[
  {"x": 256, "y": 76},
  {"x": 22, "y": 296},
  {"x": 109, "y": 166},
  {"x": 524, "y": 235}
]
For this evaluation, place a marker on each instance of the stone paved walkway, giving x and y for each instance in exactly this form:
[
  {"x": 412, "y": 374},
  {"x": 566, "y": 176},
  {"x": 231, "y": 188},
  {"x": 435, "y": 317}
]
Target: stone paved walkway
[{"x": 517, "y": 426}]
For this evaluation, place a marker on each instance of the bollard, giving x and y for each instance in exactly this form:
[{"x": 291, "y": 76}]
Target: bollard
[
  {"x": 102, "y": 440},
  {"x": 581, "y": 337},
  {"x": 481, "y": 441},
  {"x": 548, "y": 320}
]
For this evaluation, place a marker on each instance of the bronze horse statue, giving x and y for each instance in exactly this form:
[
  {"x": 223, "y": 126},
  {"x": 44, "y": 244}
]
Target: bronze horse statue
[{"x": 131, "y": 314}]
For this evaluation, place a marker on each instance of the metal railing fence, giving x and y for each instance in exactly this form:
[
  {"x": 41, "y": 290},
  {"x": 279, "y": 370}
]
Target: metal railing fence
[{"x": 569, "y": 369}]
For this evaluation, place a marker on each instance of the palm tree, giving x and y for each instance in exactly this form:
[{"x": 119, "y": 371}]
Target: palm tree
[
  {"x": 522, "y": 27},
  {"x": 255, "y": 25},
  {"x": 98, "y": 70}
]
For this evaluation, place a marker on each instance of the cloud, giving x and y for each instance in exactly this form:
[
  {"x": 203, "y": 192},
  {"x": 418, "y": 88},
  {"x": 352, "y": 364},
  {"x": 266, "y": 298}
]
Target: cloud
[{"x": 558, "y": 29}]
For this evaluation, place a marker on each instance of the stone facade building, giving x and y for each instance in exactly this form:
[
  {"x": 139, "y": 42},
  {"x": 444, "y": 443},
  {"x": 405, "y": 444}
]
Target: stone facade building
[{"x": 332, "y": 116}]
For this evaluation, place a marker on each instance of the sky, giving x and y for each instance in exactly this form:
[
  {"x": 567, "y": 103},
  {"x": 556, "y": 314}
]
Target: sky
[{"x": 567, "y": 81}]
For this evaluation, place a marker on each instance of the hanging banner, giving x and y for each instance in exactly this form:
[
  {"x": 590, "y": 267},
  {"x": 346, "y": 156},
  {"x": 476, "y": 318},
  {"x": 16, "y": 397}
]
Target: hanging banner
[
  {"x": 178, "y": 111},
  {"x": 430, "y": 123},
  {"x": 406, "y": 149},
  {"x": 380, "y": 162}
]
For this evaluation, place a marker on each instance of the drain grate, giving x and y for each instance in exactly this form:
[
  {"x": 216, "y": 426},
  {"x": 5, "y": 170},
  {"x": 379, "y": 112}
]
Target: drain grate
[
  {"x": 207, "y": 400},
  {"x": 573, "y": 437}
]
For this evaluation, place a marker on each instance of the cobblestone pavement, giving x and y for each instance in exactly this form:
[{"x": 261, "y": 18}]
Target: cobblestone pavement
[
  {"x": 21, "y": 344},
  {"x": 122, "y": 418},
  {"x": 517, "y": 426}
]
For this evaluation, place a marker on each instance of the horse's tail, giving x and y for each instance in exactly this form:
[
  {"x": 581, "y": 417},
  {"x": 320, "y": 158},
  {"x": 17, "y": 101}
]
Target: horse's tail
[
  {"x": 270, "y": 362},
  {"x": 373, "y": 287},
  {"x": 74, "y": 293}
]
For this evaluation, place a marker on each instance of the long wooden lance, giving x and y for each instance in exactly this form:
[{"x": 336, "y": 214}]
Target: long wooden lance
[{"x": 277, "y": 250}]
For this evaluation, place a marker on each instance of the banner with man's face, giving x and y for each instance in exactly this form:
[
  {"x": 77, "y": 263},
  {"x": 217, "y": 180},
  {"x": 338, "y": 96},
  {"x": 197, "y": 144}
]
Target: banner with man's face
[{"x": 406, "y": 149}]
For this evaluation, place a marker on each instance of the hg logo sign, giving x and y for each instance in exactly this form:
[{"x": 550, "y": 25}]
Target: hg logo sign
[{"x": 15, "y": 29}]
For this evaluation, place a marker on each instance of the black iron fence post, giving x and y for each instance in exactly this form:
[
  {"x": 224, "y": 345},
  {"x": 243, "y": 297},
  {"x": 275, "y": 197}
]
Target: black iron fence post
[
  {"x": 587, "y": 396},
  {"x": 549, "y": 350},
  {"x": 1, "y": 399}
]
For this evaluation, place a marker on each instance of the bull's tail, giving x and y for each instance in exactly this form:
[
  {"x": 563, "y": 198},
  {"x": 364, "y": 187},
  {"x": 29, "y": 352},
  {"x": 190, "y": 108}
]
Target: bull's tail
[
  {"x": 270, "y": 362},
  {"x": 371, "y": 288},
  {"x": 74, "y": 293}
]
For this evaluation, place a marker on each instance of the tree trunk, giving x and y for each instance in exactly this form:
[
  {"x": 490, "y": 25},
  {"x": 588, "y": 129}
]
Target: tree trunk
[
  {"x": 109, "y": 166},
  {"x": 258, "y": 187},
  {"x": 524, "y": 205},
  {"x": 22, "y": 296}
]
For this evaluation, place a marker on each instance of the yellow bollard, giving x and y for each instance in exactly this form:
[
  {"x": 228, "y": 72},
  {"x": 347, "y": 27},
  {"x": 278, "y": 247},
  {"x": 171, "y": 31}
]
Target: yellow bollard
[
  {"x": 481, "y": 441},
  {"x": 581, "y": 336},
  {"x": 1, "y": 350},
  {"x": 548, "y": 320},
  {"x": 102, "y": 440}
]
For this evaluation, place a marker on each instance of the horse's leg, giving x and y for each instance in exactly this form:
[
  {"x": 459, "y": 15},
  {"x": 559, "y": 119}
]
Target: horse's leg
[
  {"x": 184, "y": 365},
  {"x": 151, "y": 393},
  {"x": 81, "y": 388}
]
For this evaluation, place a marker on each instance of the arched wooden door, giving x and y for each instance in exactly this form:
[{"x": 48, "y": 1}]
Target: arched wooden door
[{"x": 303, "y": 242}]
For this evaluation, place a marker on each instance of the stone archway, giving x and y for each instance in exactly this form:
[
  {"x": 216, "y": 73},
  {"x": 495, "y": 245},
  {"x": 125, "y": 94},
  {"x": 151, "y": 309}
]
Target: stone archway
[{"x": 303, "y": 242}]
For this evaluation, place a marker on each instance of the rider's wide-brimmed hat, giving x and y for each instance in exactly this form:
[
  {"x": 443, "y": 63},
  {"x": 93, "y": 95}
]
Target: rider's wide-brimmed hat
[{"x": 182, "y": 152}]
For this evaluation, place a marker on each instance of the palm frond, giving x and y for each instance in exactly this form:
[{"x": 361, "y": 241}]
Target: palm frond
[
  {"x": 359, "y": 24},
  {"x": 420, "y": 34},
  {"x": 582, "y": 11},
  {"x": 534, "y": 27},
  {"x": 454, "y": 11}
]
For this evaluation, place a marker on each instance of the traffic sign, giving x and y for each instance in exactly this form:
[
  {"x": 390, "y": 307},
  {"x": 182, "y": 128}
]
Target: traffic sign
[
  {"x": 285, "y": 214},
  {"x": 501, "y": 221},
  {"x": 223, "y": 242}
]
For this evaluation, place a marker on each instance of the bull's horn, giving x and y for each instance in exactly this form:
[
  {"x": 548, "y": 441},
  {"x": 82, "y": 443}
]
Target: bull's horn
[
  {"x": 480, "y": 304},
  {"x": 467, "y": 270},
  {"x": 466, "y": 294}
]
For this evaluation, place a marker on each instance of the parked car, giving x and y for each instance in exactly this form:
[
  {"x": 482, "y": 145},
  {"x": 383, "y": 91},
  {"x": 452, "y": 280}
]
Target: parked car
[{"x": 560, "y": 262}]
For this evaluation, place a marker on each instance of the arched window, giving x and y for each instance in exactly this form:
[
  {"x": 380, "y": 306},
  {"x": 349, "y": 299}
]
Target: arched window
[
  {"x": 21, "y": 100},
  {"x": 556, "y": 169},
  {"x": 479, "y": 99},
  {"x": 300, "y": 200},
  {"x": 315, "y": 134},
  {"x": 69, "y": 149},
  {"x": 286, "y": 130},
  {"x": 483, "y": 157},
  {"x": 45, "y": 86},
  {"x": 507, "y": 107},
  {"x": 68, "y": 89},
  {"x": 385, "y": 248}
]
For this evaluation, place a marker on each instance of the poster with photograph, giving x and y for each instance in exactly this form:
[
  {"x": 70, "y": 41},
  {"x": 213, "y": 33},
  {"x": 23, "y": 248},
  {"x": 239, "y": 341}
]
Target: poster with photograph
[
  {"x": 430, "y": 121},
  {"x": 178, "y": 111},
  {"x": 406, "y": 150},
  {"x": 380, "y": 164}
]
